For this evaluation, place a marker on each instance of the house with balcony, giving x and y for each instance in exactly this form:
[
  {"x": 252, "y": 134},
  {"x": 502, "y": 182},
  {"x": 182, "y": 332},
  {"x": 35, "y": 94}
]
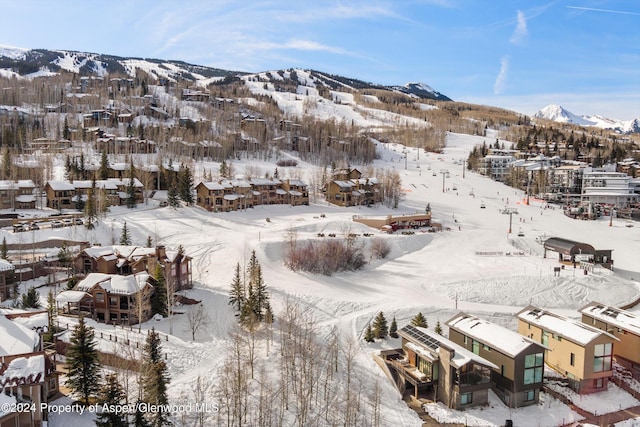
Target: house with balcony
[
  {"x": 127, "y": 260},
  {"x": 623, "y": 325},
  {"x": 60, "y": 195},
  {"x": 608, "y": 188},
  {"x": 17, "y": 194},
  {"x": 433, "y": 366},
  {"x": 298, "y": 192},
  {"x": 6, "y": 285},
  {"x": 520, "y": 360},
  {"x": 27, "y": 372},
  {"x": 581, "y": 353},
  {"x": 119, "y": 300},
  {"x": 349, "y": 188}
]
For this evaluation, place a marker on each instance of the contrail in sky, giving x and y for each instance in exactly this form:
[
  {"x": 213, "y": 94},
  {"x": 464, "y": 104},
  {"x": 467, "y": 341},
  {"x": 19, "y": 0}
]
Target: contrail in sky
[{"x": 604, "y": 10}]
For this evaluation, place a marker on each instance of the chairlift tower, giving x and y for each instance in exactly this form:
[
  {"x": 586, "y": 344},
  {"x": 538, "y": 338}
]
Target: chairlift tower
[{"x": 444, "y": 173}]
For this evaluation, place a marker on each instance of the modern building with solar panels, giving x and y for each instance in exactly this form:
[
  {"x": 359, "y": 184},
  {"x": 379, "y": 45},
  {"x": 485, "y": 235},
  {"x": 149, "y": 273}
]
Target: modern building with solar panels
[{"x": 432, "y": 366}]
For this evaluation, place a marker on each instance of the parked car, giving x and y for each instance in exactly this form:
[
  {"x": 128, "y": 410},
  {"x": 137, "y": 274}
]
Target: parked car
[
  {"x": 67, "y": 222},
  {"x": 34, "y": 226},
  {"x": 78, "y": 221},
  {"x": 163, "y": 204},
  {"x": 18, "y": 228},
  {"x": 57, "y": 224}
]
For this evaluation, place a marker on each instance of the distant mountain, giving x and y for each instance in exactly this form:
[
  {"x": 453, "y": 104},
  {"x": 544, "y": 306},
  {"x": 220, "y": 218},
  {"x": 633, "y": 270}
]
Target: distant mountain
[
  {"x": 421, "y": 90},
  {"x": 557, "y": 113},
  {"x": 39, "y": 62}
]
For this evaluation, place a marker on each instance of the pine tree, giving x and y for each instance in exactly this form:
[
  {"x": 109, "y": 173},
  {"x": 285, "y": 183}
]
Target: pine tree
[
  {"x": 90, "y": 212},
  {"x": 138, "y": 416},
  {"x": 51, "y": 315},
  {"x": 155, "y": 379},
  {"x": 149, "y": 243},
  {"x": 66, "y": 133},
  {"x": 82, "y": 359},
  {"x": 380, "y": 328},
  {"x": 237, "y": 297},
  {"x": 4, "y": 249},
  {"x": 438, "y": 328},
  {"x": 368, "y": 334},
  {"x": 31, "y": 299},
  {"x": 172, "y": 195},
  {"x": 419, "y": 321},
  {"x": 159, "y": 298},
  {"x": 125, "y": 238},
  {"x": 224, "y": 170},
  {"x": 393, "y": 329},
  {"x": 185, "y": 185},
  {"x": 104, "y": 166},
  {"x": 131, "y": 188},
  {"x": 111, "y": 393}
]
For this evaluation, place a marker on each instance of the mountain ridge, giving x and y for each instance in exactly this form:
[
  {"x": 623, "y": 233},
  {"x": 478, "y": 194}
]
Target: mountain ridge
[
  {"x": 557, "y": 113},
  {"x": 25, "y": 62}
]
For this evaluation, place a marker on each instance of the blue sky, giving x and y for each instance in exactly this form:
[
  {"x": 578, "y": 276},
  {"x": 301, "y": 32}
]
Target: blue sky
[{"x": 521, "y": 55}]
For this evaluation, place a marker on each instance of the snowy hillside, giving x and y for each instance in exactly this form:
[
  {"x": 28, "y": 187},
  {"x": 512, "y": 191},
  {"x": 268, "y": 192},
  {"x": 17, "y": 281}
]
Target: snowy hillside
[{"x": 559, "y": 114}]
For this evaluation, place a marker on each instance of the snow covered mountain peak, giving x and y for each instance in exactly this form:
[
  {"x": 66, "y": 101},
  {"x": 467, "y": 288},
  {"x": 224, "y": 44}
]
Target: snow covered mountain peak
[{"x": 557, "y": 113}]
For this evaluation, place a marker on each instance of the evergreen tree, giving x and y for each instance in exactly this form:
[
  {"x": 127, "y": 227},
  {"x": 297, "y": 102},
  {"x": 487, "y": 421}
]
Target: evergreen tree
[
  {"x": 159, "y": 298},
  {"x": 368, "y": 334},
  {"x": 104, "y": 166},
  {"x": 131, "y": 188},
  {"x": 155, "y": 379},
  {"x": 51, "y": 317},
  {"x": 111, "y": 393},
  {"x": 90, "y": 211},
  {"x": 149, "y": 243},
  {"x": 185, "y": 185},
  {"x": 138, "y": 417},
  {"x": 31, "y": 299},
  {"x": 224, "y": 170},
  {"x": 173, "y": 197},
  {"x": 419, "y": 321},
  {"x": 237, "y": 297},
  {"x": 82, "y": 358},
  {"x": 380, "y": 328},
  {"x": 438, "y": 328},
  {"x": 393, "y": 329},
  {"x": 4, "y": 250},
  {"x": 125, "y": 238}
]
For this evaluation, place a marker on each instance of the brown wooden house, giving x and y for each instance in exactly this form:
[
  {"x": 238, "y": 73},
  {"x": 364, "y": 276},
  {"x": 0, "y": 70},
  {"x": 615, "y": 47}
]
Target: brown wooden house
[{"x": 119, "y": 300}]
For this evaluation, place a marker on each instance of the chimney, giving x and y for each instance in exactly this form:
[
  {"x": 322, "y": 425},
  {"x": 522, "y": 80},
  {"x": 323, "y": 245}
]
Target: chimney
[{"x": 161, "y": 252}]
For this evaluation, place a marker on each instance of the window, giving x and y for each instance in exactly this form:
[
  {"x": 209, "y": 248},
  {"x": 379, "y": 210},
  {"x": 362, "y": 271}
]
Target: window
[
  {"x": 466, "y": 398},
  {"x": 545, "y": 338},
  {"x": 529, "y": 395},
  {"x": 475, "y": 347},
  {"x": 113, "y": 301},
  {"x": 602, "y": 357},
  {"x": 465, "y": 339},
  {"x": 599, "y": 383},
  {"x": 533, "y": 368},
  {"x": 572, "y": 360},
  {"x": 99, "y": 297}
]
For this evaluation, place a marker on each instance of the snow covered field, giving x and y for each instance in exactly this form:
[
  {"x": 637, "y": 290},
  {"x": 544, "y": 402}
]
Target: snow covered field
[{"x": 433, "y": 273}]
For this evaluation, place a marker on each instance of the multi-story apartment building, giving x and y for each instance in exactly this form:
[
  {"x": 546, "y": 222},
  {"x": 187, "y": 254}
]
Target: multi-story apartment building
[
  {"x": 520, "y": 360},
  {"x": 612, "y": 188},
  {"x": 580, "y": 352}
]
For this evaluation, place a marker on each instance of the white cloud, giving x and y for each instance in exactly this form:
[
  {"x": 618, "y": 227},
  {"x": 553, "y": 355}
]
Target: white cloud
[
  {"x": 501, "y": 80},
  {"x": 520, "y": 33}
]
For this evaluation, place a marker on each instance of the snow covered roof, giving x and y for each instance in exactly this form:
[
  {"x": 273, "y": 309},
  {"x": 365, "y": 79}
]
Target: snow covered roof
[
  {"x": 613, "y": 316},
  {"x": 6, "y": 265},
  {"x": 71, "y": 296},
  {"x": 212, "y": 185},
  {"x": 16, "y": 338},
  {"x": 24, "y": 370},
  {"x": 25, "y": 198},
  {"x": 32, "y": 320},
  {"x": 431, "y": 342},
  {"x": 344, "y": 184},
  {"x": 498, "y": 337},
  {"x": 571, "y": 329},
  {"x": 113, "y": 283},
  {"x": 61, "y": 186}
]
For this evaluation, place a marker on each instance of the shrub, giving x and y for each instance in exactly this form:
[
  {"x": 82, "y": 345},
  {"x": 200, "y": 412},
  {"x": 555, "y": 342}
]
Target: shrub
[
  {"x": 326, "y": 256},
  {"x": 379, "y": 248},
  {"x": 287, "y": 163}
]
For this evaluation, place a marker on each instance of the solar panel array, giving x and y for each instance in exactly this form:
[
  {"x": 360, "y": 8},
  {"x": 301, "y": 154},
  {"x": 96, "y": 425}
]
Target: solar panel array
[{"x": 421, "y": 337}]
